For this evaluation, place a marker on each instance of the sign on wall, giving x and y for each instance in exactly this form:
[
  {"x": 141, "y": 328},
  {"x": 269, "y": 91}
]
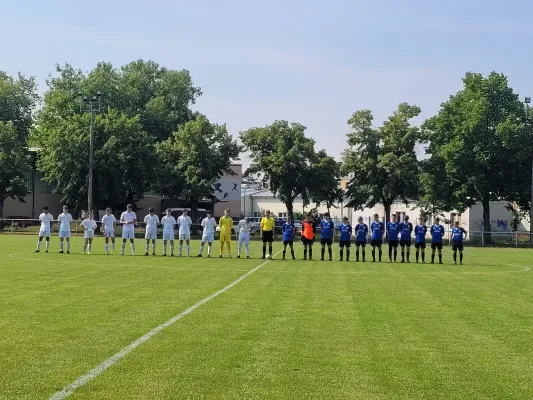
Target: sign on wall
[{"x": 228, "y": 189}]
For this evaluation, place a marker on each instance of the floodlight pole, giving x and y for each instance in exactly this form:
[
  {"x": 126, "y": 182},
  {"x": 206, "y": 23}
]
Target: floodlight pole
[
  {"x": 92, "y": 106},
  {"x": 527, "y": 100}
]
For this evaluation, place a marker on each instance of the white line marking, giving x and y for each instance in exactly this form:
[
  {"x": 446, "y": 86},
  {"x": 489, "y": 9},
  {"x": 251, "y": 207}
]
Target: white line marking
[{"x": 102, "y": 367}]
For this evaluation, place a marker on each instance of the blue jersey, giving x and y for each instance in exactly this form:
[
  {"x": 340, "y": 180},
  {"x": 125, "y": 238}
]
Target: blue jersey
[
  {"x": 288, "y": 232},
  {"x": 457, "y": 234},
  {"x": 405, "y": 230},
  {"x": 377, "y": 230},
  {"x": 326, "y": 229},
  {"x": 437, "y": 233},
  {"x": 361, "y": 232},
  {"x": 393, "y": 229},
  {"x": 346, "y": 232},
  {"x": 420, "y": 233}
]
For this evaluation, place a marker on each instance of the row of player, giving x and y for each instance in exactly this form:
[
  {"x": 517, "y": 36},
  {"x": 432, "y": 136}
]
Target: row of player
[{"x": 396, "y": 233}]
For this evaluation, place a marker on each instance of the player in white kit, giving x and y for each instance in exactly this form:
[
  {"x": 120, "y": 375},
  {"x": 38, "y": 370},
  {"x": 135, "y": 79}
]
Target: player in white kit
[
  {"x": 89, "y": 225},
  {"x": 169, "y": 223},
  {"x": 128, "y": 220},
  {"x": 109, "y": 222},
  {"x": 245, "y": 226},
  {"x": 45, "y": 231},
  {"x": 64, "y": 220},
  {"x": 208, "y": 234},
  {"x": 185, "y": 222},
  {"x": 151, "y": 221}
]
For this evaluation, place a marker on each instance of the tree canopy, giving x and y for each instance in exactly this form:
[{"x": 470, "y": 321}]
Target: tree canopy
[
  {"x": 382, "y": 161},
  {"x": 326, "y": 174},
  {"x": 194, "y": 158},
  {"x": 478, "y": 144},
  {"x": 283, "y": 155}
]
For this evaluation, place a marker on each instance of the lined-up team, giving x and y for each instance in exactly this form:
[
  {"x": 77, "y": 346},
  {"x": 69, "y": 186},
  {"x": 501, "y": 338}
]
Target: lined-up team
[{"x": 396, "y": 233}]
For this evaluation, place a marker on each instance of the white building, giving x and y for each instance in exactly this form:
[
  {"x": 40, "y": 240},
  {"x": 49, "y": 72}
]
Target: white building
[{"x": 254, "y": 202}]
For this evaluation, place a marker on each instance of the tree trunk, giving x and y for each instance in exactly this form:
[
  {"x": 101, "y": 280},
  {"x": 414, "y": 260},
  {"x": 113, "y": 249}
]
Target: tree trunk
[
  {"x": 290, "y": 209},
  {"x": 387, "y": 205},
  {"x": 486, "y": 219}
]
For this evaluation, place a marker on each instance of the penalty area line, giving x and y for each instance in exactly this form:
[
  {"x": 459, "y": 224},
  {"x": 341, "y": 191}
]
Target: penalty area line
[{"x": 108, "y": 363}]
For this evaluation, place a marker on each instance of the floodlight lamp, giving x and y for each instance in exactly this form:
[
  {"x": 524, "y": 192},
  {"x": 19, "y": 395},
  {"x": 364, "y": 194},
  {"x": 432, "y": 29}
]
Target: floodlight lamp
[
  {"x": 527, "y": 100},
  {"x": 99, "y": 93}
]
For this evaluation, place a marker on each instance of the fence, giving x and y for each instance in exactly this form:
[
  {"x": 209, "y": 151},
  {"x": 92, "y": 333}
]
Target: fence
[{"x": 475, "y": 238}]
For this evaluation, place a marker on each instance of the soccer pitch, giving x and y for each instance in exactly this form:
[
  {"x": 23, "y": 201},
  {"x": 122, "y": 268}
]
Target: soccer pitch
[{"x": 289, "y": 330}]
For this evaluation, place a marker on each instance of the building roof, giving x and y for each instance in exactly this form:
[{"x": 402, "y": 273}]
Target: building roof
[{"x": 257, "y": 193}]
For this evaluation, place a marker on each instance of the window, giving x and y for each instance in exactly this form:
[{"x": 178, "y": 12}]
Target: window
[
  {"x": 455, "y": 217},
  {"x": 257, "y": 214},
  {"x": 282, "y": 215}
]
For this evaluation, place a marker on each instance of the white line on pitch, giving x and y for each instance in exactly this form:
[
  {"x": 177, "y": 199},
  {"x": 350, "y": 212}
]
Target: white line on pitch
[{"x": 102, "y": 367}]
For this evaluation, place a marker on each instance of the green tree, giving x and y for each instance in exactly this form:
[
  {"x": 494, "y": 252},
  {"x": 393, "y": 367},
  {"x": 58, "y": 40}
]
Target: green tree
[
  {"x": 159, "y": 96},
  {"x": 142, "y": 104},
  {"x": 382, "y": 162},
  {"x": 124, "y": 159},
  {"x": 18, "y": 98},
  {"x": 326, "y": 173},
  {"x": 282, "y": 155},
  {"x": 15, "y": 163},
  {"x": 194, "y": 158},
  {"x": 477, "y": 144}
]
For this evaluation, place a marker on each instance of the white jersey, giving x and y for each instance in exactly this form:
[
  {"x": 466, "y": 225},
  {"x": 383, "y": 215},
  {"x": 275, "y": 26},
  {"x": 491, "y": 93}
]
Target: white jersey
[
  {"x": 127, "y": 217},
  {"x": 244, "y": 226},
  {"x": 108, "y": 221},
  {"x": 64, "y": 222},
  {"x": 169, "y": 222},
  {"x": 46, "y": 220},
  {"x": 185, "y": 223},
  {"x": 209, "y": 225},
  {"x": 89, "y": 225},
  {"x": 151, "y": 222}
]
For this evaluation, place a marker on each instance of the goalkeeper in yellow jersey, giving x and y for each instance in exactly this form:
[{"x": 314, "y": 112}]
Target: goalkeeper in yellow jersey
[{"x": 226, "y": 224}]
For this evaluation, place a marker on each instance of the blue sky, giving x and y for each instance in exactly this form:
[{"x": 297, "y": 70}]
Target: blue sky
[{"x": 313, "y": 62}]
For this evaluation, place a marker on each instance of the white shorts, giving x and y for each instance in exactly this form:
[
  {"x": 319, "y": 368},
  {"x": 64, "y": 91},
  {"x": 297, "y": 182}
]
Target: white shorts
[
  {"x": 150, "y": 235},
  {"x": 208, "y": 237},
  {"x": 88, "y": 234},
  {"x": 64, "y": 234},
  {"x": 128, "y": 232},
  {"x": 168, "y": 235},
  {"x": 45, "y": 233},
  {"x": 110, "y": 233},
  {"x": 185, "y": 236},
  {"x": 244, "y": 237}
]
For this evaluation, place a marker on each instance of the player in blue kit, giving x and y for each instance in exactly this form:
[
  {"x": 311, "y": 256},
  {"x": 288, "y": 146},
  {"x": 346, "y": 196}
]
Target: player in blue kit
[
  {"x": 437, "y": 233},
  {"x": 345, "y": 239},
  {"x": 406, "y": 229},
  {"x": 326, "y": 236},
  {"x": 393, "y": 229},
  {"x": 420, "y": 239},
  {"x": 458, "y": 235},
  {"x": 378, "y": 228},
  {"x": 361, "y": 233},
  {"x": 288, "y": 237}
]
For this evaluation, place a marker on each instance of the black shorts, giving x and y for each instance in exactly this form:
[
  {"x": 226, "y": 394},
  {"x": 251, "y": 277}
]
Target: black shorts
[
  {"x": 376, "y": 243},
  {"x": 268, "y": 236},
  {"x": 393, "y": 243},
  {"x": 288, "y": 242},
  {"x": 404, "y": 243},
  {"x": 457, "y": 245},
  {"x": 324, "y": 241},
  {"x": 420, "y": 245},
  {"x": 436, "y": 246},
  {"x": 308, "y": 241},
  {"x": 345, "y": 243},
  {"x": 360, "y": 244}
]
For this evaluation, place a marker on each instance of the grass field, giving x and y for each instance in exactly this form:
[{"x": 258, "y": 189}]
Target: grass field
[{"x": 290, "y": 330}]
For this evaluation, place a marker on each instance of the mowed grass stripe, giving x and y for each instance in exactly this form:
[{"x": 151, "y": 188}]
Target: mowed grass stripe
[
  {"x": 60, "y": 318},
  {"x": 308, "y": 330},
  {"x": 398, "y": 335}
]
